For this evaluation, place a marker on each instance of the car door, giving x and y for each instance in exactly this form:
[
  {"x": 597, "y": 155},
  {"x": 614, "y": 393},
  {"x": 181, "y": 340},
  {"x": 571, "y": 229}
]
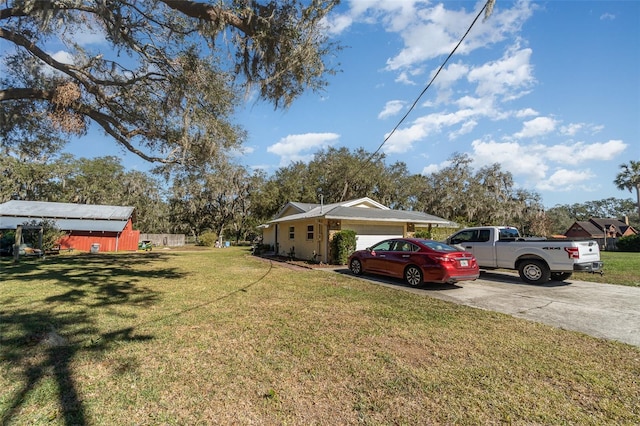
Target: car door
[
  {"x": 379, "y": 257},
  {"x": 399, "y": 257}
]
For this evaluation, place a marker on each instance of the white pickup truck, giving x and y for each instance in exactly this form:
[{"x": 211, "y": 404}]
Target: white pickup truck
[{"x": 537, "y": 260}]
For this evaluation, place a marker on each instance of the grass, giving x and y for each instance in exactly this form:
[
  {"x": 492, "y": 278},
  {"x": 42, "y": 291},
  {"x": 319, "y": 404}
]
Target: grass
[
  {"x": 221, "y": 337},
  {"x": 619, "y": 268}
]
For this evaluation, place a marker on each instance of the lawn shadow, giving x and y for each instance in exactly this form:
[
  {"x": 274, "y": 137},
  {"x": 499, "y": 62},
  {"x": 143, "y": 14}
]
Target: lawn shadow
[{"x": 40, "y": 338}]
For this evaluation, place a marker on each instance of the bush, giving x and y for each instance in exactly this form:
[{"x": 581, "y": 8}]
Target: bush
[
  {"x": 208, "y": 239},
  {"x": 51, "y": 234},
  {"x": 342, "y": 245},
  {"x": 629, "y": 243},
  {"x": 422, "y": 233}
]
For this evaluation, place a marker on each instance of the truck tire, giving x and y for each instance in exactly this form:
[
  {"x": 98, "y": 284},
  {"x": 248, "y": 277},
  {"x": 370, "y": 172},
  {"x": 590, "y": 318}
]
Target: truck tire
[
  {"x": 560, "y": 276},
  {"x": 534, "y": 271}
]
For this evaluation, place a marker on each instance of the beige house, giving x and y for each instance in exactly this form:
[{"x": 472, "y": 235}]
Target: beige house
[{"x": 304, "y": 230}]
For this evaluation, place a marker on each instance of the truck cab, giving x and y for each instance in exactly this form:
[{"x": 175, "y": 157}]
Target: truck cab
[{"x": 481, "y": 242}]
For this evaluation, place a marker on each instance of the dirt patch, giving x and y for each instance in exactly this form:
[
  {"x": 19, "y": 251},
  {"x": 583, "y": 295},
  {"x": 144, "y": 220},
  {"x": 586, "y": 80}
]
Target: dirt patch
[{"x": 298, "y": 264}]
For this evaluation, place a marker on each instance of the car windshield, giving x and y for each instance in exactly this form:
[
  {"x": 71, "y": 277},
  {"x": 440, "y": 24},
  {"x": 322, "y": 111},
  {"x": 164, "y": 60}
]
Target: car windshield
[{"x": 435, "y": 245}]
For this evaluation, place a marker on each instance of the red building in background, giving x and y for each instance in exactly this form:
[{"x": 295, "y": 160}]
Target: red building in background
[{"x": 88, "y": 227}]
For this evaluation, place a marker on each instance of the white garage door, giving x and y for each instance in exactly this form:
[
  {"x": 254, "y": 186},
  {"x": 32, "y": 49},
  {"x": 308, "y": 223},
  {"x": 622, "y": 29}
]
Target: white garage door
[{"x": 368, "y": 235}]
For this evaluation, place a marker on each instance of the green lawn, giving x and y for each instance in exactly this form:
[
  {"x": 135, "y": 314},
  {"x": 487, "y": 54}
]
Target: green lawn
[
  {"x": 221, "y": 337},
  {"x": 619, "y": 268}
]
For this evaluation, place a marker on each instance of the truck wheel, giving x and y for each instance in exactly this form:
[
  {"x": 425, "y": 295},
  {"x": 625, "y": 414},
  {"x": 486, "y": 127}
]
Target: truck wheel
[
  {"x": 560, "y": 276},
  {"x": 534, "y": 272}
]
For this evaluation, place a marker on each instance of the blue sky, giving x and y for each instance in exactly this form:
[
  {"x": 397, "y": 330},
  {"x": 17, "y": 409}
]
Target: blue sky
[{"x": 550, "y": 90}]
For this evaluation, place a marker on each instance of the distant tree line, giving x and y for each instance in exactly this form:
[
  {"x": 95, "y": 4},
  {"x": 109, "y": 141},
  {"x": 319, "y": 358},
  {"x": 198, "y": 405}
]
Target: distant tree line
[
  {"x": 168, "y": 95},
  {"x": 227, "y": 199}
]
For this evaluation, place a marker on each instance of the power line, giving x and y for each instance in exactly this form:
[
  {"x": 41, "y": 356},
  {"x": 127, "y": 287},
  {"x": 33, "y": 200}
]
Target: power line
[{"x": 488, "y": 4}]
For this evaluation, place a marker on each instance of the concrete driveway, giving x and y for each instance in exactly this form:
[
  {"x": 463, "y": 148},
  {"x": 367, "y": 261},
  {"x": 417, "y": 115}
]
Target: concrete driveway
[{"x": 601, "y": 310}]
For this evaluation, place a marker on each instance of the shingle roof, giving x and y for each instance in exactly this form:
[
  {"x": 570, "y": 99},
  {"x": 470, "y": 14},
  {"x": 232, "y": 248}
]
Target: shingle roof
[
  {"x": 591, "y": 228},
  {"x": 339, "y": 211},
  {"x": 619, "y": 225}
]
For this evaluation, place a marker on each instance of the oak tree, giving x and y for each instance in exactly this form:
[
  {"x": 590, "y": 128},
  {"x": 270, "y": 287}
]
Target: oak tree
[{"x": 164, "y": 81}]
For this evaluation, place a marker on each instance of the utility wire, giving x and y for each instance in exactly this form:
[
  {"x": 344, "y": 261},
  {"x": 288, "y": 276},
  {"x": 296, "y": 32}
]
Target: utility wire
[{"x": 366, "y": 162}]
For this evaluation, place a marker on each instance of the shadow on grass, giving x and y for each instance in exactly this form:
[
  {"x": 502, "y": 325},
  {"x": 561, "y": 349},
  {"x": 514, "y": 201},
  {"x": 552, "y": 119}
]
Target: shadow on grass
[{"x": 41, "y": 336}]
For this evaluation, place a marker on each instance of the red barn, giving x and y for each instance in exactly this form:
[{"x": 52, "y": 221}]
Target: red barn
[{"x": 103, "y": 228}]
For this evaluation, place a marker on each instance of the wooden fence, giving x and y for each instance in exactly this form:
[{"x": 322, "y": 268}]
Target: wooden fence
[{"x": 164, "y": 240}]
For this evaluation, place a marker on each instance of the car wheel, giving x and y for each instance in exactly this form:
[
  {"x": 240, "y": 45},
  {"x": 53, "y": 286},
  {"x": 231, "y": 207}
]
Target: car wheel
[
  {"x": 356, "y": 267},
  {"x": 534, "y": 272},
  {"x": 413, "y": 276},
  {"x": 560, "y": 276}
]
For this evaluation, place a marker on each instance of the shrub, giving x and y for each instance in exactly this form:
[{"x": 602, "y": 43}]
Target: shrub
[
  {"x": 208, "y": 239},
  {"x": 422, "y": 233},
  {"x": 342, "y": 245},
  {"x": 629, "y": 243},
  {"x": 51, "y": 234}
]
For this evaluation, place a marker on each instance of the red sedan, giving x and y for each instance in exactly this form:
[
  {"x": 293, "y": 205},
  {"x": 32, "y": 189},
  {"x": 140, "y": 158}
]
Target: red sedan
[{"x": 416, "y": 260}]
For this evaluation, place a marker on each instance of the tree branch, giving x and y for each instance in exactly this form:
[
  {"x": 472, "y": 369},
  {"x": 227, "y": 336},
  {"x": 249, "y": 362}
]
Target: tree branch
[{"x": 210, "y": 13}]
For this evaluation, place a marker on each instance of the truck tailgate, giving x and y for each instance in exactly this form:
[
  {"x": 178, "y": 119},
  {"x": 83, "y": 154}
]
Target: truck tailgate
[{"x": 588, "y": 250}]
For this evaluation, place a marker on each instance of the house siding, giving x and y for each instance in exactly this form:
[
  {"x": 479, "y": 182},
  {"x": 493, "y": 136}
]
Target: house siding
[
  {"x": 300, "y": 246},
  {"x": 364, "y": 215}
]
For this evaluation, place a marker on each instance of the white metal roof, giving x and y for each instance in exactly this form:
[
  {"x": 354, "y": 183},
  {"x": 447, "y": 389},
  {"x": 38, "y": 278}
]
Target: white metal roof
[
  {"x": 43, "y": 209},
  {"x": 67, "y": 216}
]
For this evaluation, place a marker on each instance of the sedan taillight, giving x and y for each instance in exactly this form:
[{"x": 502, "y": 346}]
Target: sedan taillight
[{"x": 443, "y": 259}]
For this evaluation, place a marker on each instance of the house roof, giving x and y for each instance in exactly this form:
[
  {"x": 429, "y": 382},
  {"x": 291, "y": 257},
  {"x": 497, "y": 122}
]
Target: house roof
[
  {"x": 619, "y": 225},
  {"x": 362, "y": 209},
  {"x": 595, "y": 226},
  {"x": 590, "y": 228},
  {"x": 67, "y": 216}
]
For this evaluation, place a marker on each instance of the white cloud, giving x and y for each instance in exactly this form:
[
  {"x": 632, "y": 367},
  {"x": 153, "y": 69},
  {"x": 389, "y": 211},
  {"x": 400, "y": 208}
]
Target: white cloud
[
  {"x": 510, "y": 77},
  {"x": 534, "y": 161},
  {"x": 301, "y": 147},
  {"x": 403, "y": 77},
  {"x": 607, "y": 17},
  {"x": 537, "y": 127},
  {"x": 63, "y": 57},
  {"x": 336, "y": 24},
  {"x": 580, "y": 152},
  {"x": 571, "y": 129},
  {"x": 87, "y": 34},
  {"x": 403, "y": 139},
  {"x": 391, "y": 108},
  {"x": 526, "y": 112},
  {"x": 519, "y": 160},
  {"x": 434, "y": 168},
  {"x": 429, "y": 31},
  {"x": 564, "y": 180}
]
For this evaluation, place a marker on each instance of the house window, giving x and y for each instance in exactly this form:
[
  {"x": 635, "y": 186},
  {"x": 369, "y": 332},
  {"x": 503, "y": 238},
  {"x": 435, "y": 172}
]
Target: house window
[
  {"x": 309, "y": 232},
  {"x": 292, "y": 233}
]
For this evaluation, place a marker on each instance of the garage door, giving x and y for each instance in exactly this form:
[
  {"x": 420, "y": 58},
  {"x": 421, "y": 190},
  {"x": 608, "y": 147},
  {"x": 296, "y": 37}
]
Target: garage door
[{"x": 368, "y": 235}]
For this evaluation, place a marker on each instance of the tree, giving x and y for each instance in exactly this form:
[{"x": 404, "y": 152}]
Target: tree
[
  {"x": 209, "y": 198},
  {"x": 629, "y": 178},
  {"x": 323, "y": 180},
  {"x": 483, "y": 197},
  {"x": 166, "y": 87}
]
